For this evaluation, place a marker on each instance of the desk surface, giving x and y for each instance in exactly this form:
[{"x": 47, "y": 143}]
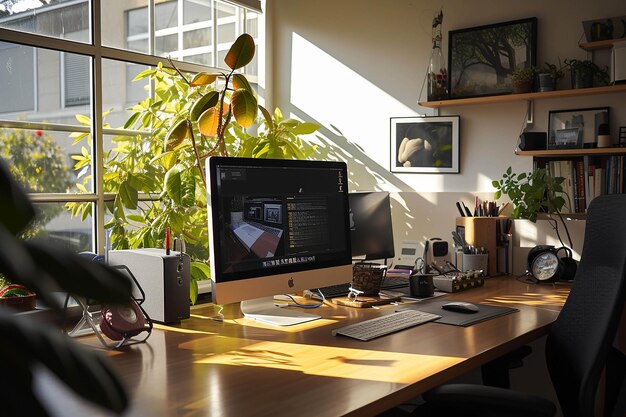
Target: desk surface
[{"x": 241, "y": 367}]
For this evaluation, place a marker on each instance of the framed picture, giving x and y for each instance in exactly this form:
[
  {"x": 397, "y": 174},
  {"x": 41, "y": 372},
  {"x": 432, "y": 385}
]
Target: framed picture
[
  {"x": 482, "y": 58},
  {"x": 425, "y": 144},
  {"x": 577, "y": 128}
]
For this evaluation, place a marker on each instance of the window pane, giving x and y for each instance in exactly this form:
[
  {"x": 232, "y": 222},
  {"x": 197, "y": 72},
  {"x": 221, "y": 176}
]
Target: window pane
[
  {"x": 77, "y": 84},
  {"x": 137, "y": 21},
  {"x": 166, "y": 44},
  {"x": 55, "y": 224},
  {"x": 203, "y": 59},
  {"x": 225, "y": 10},
  {"x": 197, "y": 38},
  {"x": 39, "y": 160},
  {"x": 17, "y": 75},
  {"x": 42, "y": 156},
  {"x": 125, "y": 24},
  {"x": 56, "y": 19},
  {"x": 166, "y": 15},
  {"x": 226, "y": 33},
  {"x": 196, "y": 11}
]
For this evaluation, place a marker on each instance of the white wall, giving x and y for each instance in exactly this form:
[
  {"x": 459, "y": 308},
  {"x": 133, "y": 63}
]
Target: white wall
[{"x": 351, "y": 65}]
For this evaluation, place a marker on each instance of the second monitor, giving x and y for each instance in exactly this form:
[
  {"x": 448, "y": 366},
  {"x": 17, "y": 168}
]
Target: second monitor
[{"x": 371, "y": 231}]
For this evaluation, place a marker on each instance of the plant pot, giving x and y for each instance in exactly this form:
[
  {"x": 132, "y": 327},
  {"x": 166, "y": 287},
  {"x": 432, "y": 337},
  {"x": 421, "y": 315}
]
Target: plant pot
[
  {"x": 582, "y": 78},
  {"x": 522, "y": 86},
  {"x": 25, "y": 303},
  {"x": 545, "y": 82}
]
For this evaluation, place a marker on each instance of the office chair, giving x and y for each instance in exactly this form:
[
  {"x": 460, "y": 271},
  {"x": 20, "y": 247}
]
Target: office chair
[{"x": 579, "y": 344}]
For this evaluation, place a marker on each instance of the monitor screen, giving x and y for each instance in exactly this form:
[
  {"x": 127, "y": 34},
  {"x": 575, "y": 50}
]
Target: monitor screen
[
  {"x": 276, "y": 227},
  {"x": 371, "y": 231}
]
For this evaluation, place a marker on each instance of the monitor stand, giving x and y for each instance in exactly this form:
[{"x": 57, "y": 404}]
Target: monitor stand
[{"x": 264, "y": 310}]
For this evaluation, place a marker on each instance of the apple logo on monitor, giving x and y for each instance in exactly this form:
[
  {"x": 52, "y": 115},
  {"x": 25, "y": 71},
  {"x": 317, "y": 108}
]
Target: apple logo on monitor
[{"x": 290, "y": 282}]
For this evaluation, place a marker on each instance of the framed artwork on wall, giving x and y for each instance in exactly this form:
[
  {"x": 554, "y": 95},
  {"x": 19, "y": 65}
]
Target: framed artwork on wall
[
  {"x": 482, "y": 58},
  {"x": 425, "y": 144},
  {"x": 577, "y": 128}
]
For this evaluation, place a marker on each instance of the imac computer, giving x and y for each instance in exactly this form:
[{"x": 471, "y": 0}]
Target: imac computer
[
  {"x": 276, "y": 227},
  {"x": 371, "y": 231}
]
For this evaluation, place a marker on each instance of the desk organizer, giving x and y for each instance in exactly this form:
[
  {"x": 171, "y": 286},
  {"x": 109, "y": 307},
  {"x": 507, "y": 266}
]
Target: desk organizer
[
  {"x": 459, "y": 282},
  {"x": 367, "y": 277}
]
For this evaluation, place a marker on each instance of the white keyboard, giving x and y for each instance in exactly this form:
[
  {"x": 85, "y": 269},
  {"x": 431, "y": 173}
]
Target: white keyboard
[{"x": 380, "y": 326}]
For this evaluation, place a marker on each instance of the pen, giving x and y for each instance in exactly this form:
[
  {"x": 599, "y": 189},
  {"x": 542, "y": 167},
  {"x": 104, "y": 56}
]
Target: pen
[
  {"x": 468, "y": 213},
  {"x": 167, "y": 241},
  {"x": 458, "y": 206}
]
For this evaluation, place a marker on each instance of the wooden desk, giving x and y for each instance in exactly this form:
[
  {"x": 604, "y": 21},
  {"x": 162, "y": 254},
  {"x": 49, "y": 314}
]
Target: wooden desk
[{"x": 244, "y": 368}]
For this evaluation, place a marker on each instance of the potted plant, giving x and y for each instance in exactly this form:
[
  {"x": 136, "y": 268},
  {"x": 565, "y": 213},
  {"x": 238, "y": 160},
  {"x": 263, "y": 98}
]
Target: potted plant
[
  {"x": 586, "y": 74},
  {"x": 548, "y": 75},
  {"x": 190, "y": 120},
  {"x": 531, "y": 192},
  {"x": 523, "y": 79}
]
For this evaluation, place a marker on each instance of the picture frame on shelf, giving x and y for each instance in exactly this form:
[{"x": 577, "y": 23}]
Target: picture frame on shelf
[
  {"x": 426, "y": 145},
  {"x": 576, "y": 128},
  {"x": 478, "y": 65}
]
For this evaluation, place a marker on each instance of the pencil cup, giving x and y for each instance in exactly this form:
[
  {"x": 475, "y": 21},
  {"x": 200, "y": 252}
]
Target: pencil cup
[{"x": 477, "y": 262}]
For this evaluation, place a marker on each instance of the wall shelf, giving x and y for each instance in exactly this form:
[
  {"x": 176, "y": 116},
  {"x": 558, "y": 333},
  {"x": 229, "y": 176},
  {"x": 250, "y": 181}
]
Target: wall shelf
[
  {"x": 594, "y": 46},
  {"x": 524, "y": 97},
  {"x": 572, "y": 152}
]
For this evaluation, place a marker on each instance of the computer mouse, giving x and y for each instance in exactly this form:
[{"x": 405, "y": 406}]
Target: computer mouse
[{"x": 460, "y": 307}]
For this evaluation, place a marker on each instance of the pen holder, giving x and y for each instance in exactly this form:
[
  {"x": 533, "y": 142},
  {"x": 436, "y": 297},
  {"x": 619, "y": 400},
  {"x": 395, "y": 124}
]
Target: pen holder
[
  {"x": 367, "y": 278},
  {"x": 478, "y": 262}
]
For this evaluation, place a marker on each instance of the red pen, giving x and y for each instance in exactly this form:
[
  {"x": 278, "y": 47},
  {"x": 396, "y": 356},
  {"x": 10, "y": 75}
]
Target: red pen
[{"x": 167, "y": 241}]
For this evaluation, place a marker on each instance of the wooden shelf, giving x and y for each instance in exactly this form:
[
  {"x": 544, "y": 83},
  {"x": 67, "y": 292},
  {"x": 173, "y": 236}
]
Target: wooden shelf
[
  {"x": 572, "y": 152},
  {"x": 594, "y": 46},
  {"x": 524, "y": 97}
]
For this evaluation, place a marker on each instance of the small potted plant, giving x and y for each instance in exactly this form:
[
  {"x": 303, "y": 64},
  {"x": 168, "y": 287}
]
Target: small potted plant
[
  {"x": 531, "y": 192},
  {"x": 586, "y": 74},
  {"x": 16, "y": 296},
  {"x": 523, "y": 79},
  {"x": 548, "y": 75}
]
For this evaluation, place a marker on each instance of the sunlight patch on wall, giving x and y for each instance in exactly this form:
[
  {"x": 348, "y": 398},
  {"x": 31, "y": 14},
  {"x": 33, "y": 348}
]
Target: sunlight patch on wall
[{"x": 342, "y": 100}]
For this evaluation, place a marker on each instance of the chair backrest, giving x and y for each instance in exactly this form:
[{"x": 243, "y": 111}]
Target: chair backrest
[{"x": 579, "y": 341}]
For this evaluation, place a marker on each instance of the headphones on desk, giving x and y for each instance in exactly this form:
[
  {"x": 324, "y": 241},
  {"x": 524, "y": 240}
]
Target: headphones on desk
[{"x": 545, "y": 265}]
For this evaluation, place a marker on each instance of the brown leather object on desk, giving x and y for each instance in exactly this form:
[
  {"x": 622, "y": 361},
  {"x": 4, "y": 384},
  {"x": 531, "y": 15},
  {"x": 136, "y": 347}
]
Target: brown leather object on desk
[{"x": 242, "y": 367}]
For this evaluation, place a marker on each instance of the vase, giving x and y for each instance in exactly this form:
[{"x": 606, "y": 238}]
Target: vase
[{"x": 437, "y": 72}]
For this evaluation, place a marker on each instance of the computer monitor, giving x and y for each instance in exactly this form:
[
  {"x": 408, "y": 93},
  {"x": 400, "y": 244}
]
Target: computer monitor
[
  {"x": 371, "y": 231},
  {"x": 276, "y": 227}
]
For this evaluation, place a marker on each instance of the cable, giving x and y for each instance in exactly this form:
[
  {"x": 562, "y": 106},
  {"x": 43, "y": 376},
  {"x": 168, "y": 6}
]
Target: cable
[{"x": 298, "y": 304}]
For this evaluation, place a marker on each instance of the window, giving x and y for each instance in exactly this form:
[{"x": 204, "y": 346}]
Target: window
[{"x": 55, "y": 93}]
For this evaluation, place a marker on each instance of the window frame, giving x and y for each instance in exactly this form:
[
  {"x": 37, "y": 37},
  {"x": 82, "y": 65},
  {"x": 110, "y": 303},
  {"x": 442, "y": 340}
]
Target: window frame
[{"x": 97, "y": 54}]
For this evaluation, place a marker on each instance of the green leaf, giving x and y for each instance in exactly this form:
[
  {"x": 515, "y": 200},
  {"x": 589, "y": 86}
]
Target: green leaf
[
  {"x": 208, "y": 122},
  {"x": 131, "y": 120},
  {"x": 128, "y": 195},
  {"x": 203, "y": 78},
  {"x": 268, "y": 117},
  {"x": 200, "y": 271},
  {"x": 497, "y": 195},
  {"x": 241, "y": 52},
  {"x": 83, "y": 120},
  {"x": 173, "y": 184},
  {"x": 305, "y": 128},
  {"x": 240, "y": 81},
  {"x": 177, "y": 134},
  {"x": 244, "y": 107},
  {"x": 203, "y": 104},
  {"x": 144, "y": 74}
]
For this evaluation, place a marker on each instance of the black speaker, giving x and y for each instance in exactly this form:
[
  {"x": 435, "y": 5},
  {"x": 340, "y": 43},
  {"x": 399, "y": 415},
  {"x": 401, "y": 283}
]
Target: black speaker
[{"x": 533, "y": 141}]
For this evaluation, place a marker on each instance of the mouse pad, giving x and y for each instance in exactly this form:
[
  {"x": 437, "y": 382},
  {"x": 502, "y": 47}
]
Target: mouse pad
[{"x": 485, "y": 312}]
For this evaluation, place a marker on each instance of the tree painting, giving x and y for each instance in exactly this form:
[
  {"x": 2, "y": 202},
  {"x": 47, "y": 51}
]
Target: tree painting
[{"x": 483, "y": 58}]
